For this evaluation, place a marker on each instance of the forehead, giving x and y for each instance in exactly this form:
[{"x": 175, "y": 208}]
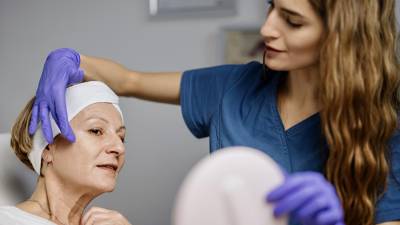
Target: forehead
[
  {"x": 302, "y": 7},
  {"x": 99, "y": 110}
]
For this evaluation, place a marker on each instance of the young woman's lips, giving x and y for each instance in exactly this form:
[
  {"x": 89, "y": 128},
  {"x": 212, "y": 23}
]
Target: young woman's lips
[
  {"x": 272, "y": 52},
  {"x": 270, "y": 49}
]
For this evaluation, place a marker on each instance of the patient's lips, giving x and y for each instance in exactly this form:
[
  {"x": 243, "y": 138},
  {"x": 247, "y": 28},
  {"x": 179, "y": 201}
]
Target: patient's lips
[{"x": 108, "y": 166}]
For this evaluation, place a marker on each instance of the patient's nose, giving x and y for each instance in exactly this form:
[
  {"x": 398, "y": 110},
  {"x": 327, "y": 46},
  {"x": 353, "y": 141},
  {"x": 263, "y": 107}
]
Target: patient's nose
[{"x": 117, "y": 147}]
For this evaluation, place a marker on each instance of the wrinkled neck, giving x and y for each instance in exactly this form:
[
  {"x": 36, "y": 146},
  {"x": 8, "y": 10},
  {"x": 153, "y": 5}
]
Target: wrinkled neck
[{"x": 63, "y": 203}]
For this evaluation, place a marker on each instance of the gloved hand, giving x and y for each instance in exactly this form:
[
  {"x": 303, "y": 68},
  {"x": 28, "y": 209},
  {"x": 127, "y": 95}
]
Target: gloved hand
[
  {"x": 309, "y": 198},
  {"x": 60, "y": 70}
]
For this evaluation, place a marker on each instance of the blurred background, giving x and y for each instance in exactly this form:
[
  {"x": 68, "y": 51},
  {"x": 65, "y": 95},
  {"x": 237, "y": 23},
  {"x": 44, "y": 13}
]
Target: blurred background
[{"x": 160, "y": 149}]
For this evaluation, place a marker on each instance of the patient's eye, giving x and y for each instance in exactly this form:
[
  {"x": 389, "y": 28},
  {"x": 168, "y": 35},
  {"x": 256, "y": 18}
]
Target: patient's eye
[
  {"x": 123, "y": 139},
  {"x": 96, "y": 131}
]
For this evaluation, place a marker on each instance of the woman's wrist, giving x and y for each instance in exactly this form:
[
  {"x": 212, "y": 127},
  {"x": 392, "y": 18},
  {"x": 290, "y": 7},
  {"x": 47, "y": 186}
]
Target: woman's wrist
[
  {"x": 131, "y": 86},
  {"x": 120, "y": 79},
  {"x": 84, "y": 65}
]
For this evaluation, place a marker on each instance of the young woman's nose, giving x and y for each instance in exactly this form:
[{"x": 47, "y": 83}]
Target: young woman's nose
[{"x": 269, "y": 29}]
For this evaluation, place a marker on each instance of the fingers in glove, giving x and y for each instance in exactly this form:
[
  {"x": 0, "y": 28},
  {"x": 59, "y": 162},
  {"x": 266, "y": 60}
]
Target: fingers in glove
[
  {"x": 296, "y": 199},
  {"x": 292, "y": 183},
  {"x": 62, "y": 116},
  {"x": 332, "y": 216},
  {"x": 34, "y": 119},
  {"x": 45, "y": 119}
]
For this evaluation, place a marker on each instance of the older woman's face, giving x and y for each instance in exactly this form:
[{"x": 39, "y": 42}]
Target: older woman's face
[
  {"x": 95, "y": 159},
  {"x": 292, "y": 34}
]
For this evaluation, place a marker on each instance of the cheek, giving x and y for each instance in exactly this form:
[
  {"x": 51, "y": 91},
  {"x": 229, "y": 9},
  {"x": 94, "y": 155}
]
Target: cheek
[
  {"x": 303, "y": 48},
  {"x": 71, "y": 161},
  {"x": 78, "y": 157}
]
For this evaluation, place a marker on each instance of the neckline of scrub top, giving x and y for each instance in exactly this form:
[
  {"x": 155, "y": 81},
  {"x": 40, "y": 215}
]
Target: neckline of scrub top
[{"x": 299, "y": 125}]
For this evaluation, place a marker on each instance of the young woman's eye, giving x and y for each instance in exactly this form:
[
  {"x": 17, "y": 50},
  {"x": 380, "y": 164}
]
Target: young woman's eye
[
  {"x": 96, "y": 131},
  {"x": 292, "y": 24}
]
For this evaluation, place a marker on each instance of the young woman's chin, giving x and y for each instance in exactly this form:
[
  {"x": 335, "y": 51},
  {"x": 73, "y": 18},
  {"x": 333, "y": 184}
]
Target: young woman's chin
[{"x": 276, "y": 66}]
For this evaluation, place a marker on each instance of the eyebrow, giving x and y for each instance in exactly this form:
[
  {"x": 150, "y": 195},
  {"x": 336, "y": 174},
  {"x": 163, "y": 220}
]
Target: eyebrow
[
  {"x": 106, "y": 121},
  {"x": 121, "y": 128},
  {"x": 291, "y": 12},
  {"x": 97, "y": 117}
]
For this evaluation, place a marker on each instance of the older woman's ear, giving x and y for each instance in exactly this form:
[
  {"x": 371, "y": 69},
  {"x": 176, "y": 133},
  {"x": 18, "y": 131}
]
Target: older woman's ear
[
  {"x": 47, "y": 158},
  {"x": 47, "y": 155}
]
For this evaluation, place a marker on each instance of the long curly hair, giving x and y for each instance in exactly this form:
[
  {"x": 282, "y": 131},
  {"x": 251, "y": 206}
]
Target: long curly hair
[{"x": 358, "y": 92}]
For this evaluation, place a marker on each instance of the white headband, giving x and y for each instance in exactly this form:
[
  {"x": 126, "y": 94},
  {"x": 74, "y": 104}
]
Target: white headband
[{"x": 77, "y": 97}]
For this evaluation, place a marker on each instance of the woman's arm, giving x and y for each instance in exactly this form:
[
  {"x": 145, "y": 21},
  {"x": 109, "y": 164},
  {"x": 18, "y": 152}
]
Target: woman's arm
[
  {"x": 63, "y": 67},
  {"x": 158, "y": 87},
  {"x": 390, "y": 223}
]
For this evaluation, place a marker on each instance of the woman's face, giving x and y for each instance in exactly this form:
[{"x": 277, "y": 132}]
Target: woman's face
[
  {"x": 292, "y": 35},
  {"x": 95, "y": 159}
]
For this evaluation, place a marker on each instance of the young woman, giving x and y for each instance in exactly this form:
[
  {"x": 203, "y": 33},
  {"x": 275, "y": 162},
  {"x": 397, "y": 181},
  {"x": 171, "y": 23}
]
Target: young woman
[
  {"x": 72, "y": 175},
  {"x": 324, "y": 101}
]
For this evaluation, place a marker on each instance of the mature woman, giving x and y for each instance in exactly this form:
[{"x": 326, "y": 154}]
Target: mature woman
[
  {"x": 325, "y": 101},
  {"x": 72, "y": 175}
]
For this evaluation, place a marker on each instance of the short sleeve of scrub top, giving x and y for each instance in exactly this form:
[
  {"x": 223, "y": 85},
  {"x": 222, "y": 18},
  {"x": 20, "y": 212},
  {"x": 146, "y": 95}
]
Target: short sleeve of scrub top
[
  {"x": 235, "y": 105},
  {"x": 201, "y": 92}
]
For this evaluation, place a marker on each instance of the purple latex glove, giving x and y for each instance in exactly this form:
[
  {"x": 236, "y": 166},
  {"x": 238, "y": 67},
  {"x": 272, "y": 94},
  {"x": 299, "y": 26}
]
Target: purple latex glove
[
  {"x": 60, "y": 70},
  {"x": 309, "y": 198}
]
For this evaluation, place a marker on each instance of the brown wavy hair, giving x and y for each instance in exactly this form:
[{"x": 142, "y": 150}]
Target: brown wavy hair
[
  {"x": 359, "y": 71},
  {"x": 21, "y": 141}
]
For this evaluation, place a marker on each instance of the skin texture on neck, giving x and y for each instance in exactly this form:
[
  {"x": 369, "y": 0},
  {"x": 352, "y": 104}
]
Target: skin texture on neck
[
  {"x": 297, "y": 98},
  {"x": 65, "y": 204}
]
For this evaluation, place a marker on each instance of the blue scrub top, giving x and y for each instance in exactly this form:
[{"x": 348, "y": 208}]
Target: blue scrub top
[{"x": 233, "y": 105}]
